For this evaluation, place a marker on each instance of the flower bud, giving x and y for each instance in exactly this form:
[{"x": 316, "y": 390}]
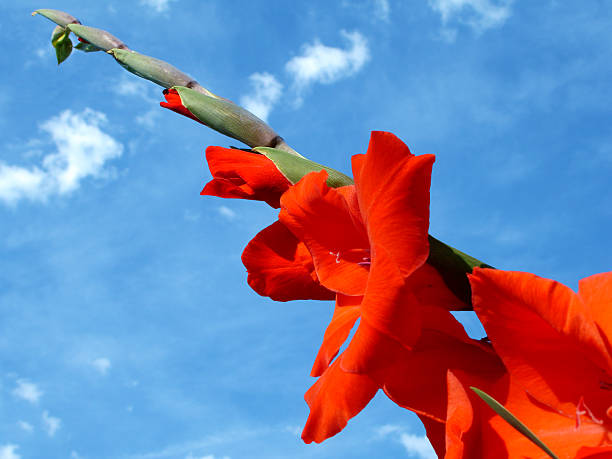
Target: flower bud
[
  {"x": 59, "y": 17},
  {"x": 97, "y": 37},
  {"x": 228, "y": 118}
]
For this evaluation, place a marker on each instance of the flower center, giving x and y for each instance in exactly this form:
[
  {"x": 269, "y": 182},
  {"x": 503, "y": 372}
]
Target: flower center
[{"x": 357, "y": 256}]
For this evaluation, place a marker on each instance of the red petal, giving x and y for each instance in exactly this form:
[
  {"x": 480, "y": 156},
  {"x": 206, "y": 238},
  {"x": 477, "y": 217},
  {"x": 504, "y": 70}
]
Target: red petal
[
  {"x": 281, "y": 267},
  {"x": 345, "y": 315},
  {"x": 325, "y": 220},
  {"x": 430, "y": 289},
  {"x": 244, "y": 175},
  {"x": 388, "y": 308},
  {"x": 596, "y": 293},
  {"x": 174, "y": 103},
  {"x": 459, "y": 420},
  {"x": 539, "y": 328},
  {"x": 393, "y": 190},
  {"x": 418, "y": 378},
  {"x": 334, "y": 399},
  {"x": 597, "y": 452}
]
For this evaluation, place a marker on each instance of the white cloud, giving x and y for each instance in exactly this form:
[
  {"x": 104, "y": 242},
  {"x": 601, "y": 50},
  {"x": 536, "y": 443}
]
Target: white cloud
[
  {"x": 158, "y": 5},
  {"x": 319, "y": 63},
  {"x": 227, "y": 212},
  {"x": 382, "y": 9},
  {"x": 293, "y": 430},
  {"x": 148, "y": 119},
  {"x": 82, "y": 149},
  {"x": 209, "y": 456},
  {"x": 478, "y": 14},
  {"x": 27, "y": 391},
  {"x": 374, "y": 9},
  {"x": 128, "y": 86},
  {"x": 417, "y": 446},
  {"x": 266, "y": 92},
  {"x": 387, "y": 429},
  {"x": 25, "y": 426},
  {"x": 101, "y": 365},
  {"x": 51, "y": 424},
  {"x": 8, "y": 452}
]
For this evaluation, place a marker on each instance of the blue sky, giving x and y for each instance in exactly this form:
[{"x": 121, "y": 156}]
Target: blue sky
[{"x": 127, "y": 328}]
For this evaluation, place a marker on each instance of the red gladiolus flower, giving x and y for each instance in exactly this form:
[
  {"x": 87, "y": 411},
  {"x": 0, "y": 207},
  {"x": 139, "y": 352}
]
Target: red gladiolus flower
[
  {"x": 174, "y": 103},
  {"x": 368, "y": 244},
  {"x": 556, "y": 347},
  {"x": 279, "y": 265},
  {"x": 245, "y": 175}
]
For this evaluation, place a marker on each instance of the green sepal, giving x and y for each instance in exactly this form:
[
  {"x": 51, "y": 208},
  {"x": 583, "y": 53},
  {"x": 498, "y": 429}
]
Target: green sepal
[
  {"x": 97, "y": 37},
  {"x": 454, "y": 266},
  {"x": 513, "y": 421},
  {"x": 295, "y": 167},
  {"x": 87, "y": 47},
  {"x": 61, "y": 42},
  {"x": 59, "y": 17},
  {"x": 227, "y": 118}
]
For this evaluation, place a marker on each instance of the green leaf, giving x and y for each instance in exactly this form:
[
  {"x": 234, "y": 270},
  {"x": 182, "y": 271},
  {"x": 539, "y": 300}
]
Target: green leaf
[
  {"x": 295, "y": 167},
  {"x": 227, "y": 118},
  {"x": 87, "y": 47},
  {"x": 61, "y": 42},
  {"x": 453, "y": 265},
  {"x": 59, "y": 17},
  {"x": 512, "y": 420}
]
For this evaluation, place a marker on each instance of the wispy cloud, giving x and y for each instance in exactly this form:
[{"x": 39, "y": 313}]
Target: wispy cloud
[
  {"x": 187, "y": 448},
  {"x": 382, "y": 9},
  {"x": 158, "y": 6},
  {"x": 101, "y": 365},
  {"x": 209, "y": 456},
  {"x": 82, "y": 150},
  {"x": 323, "y": 64},
  {"x": 478, "y": 14},
  {"x": 8, "y": 452},
  {"x": 417, "y": 446},
  {"x": 226, "y": 212},
  {"x": 26, "y": 426},
  {"x": 27, "y": 390},
  {"x": 266, "y": 90},
  {"x": 50, "y": 423}
]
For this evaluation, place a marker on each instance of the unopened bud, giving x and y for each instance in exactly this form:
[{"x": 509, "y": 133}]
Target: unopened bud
[
  {"x": 294, "y": 166},
  {"x": 59, "y": 17},
  {"x": 155, "y": 70},
  {"x": 97, "y": 37},
  {"x": 228, "y": 118}
]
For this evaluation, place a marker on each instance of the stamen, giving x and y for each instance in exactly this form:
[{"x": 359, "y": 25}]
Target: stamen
[{"x": 583, "y": 410}]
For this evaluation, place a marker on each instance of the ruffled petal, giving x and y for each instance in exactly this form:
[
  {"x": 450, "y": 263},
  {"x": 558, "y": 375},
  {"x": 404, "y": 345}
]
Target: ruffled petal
[
  {"x": 418, "y": 377},
  {"x": 244, "y": 175},
  {"x": 345, "y": 315},
  {"x": 393, "y": 190},
  {"x": 325, "y": 220},
  {"x": 596, "y": 292},
  {"x": 430, "y": 289},
  {"x": 597, "y": 452},
  {"x": 280, "y": 267},
  {"x": 539, "y": 328},
  {"x": 335, "y": 398}
]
